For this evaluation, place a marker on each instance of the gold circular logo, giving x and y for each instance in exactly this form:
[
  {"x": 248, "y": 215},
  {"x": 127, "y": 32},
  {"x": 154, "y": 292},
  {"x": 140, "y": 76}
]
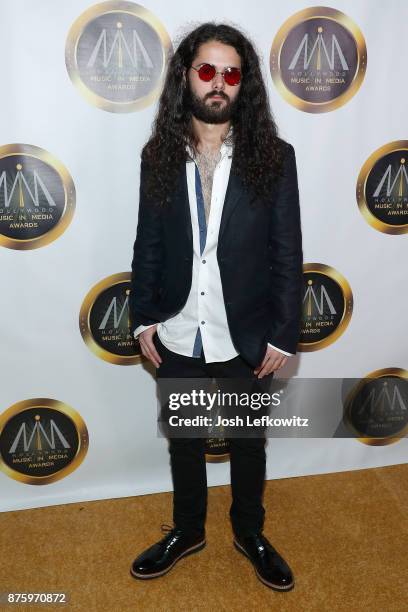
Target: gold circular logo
[
  {"x": 382, "y": 188},
  {"x": 376, "y": 409},
  {"x": 37, "y": 198},
  {"x": 327, "y": 306},
  {"x": 104, "y": 321},
  {"x": 116, "y": 55},
  {"x": 217, "y": 450},
  {"x": 318, "y": 59},
  {"x": 41, "y": 441}
]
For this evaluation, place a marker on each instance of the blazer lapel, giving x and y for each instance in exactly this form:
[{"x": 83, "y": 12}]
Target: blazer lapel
[
  {"x": 182, "y": 195},
  {"x": 232, "y": 197}
]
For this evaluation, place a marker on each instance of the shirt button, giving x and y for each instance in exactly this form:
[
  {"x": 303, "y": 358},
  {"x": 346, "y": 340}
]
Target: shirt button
[
  {"x": 202, "y": 322},
  {"x": 204, "y": 261},
  {"x": 202, "y": 293}
]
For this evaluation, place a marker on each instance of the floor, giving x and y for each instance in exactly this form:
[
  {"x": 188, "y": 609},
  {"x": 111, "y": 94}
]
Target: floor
[{"x": 345, "y": 536}]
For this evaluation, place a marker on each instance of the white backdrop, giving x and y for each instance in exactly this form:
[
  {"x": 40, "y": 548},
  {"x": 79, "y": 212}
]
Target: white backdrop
[{"x": 42, "y": 351}]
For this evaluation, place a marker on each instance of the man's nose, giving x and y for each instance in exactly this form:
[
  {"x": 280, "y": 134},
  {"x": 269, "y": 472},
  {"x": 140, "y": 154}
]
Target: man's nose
[{"x": 218, "y": 81}]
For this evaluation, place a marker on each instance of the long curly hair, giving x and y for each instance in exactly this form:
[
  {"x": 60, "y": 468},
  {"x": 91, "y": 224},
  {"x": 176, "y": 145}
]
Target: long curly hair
[{"x": 258, "y": 151}]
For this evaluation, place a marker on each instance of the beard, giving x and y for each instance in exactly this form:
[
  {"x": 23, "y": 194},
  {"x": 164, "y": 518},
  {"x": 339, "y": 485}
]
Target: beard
[{"x": 214, "y": 111}]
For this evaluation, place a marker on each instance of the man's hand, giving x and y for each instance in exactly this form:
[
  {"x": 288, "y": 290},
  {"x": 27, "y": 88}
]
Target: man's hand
[
  {"x": 273, "y": 360},
  {"x": 147, "y": 346}
]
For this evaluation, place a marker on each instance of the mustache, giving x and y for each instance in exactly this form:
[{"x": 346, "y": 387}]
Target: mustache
[{"x": 221, "y": 94}]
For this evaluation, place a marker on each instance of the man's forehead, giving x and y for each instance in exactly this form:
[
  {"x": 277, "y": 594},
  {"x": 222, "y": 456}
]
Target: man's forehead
[{"x": 217, "y": 54}]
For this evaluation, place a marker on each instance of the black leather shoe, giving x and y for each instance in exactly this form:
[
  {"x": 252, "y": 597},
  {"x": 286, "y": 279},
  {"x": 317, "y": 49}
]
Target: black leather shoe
[
  {"x": 269, "y": 566},
  {"x": 160, "y": 558}
]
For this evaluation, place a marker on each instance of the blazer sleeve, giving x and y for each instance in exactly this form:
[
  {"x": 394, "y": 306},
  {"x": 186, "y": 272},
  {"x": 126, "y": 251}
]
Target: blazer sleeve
[
  {"x": 286, "y": 260},
  {"x": 147, "y": 260}
]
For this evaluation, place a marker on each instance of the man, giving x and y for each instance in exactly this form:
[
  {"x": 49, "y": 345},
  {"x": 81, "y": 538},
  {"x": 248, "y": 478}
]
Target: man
[{"x": 217, "y": 271}]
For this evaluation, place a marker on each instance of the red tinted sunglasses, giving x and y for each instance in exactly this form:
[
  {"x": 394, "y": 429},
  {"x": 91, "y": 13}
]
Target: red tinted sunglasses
[{"x": 206, "y": 72}]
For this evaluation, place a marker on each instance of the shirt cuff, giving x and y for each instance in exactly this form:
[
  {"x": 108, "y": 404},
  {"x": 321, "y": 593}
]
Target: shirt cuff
[
  {"x": 141, "y": 328},
  {"x": 280, "y": 350}
]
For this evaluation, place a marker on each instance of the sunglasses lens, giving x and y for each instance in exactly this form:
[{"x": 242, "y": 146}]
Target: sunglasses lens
[
  {"x": 232, "y": 76},
  {"x": 206, "y": 72}
]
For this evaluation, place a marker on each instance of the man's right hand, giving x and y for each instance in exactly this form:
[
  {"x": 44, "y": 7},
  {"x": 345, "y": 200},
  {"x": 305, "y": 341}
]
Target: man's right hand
[{"x": 147, "y": 346}]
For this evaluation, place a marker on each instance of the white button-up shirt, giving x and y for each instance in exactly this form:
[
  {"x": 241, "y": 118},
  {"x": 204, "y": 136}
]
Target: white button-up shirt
[{"x": 205, "y": 306}]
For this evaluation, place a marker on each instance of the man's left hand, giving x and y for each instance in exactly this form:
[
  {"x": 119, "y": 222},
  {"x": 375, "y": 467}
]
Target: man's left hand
[{"x": 273, "y": 360}]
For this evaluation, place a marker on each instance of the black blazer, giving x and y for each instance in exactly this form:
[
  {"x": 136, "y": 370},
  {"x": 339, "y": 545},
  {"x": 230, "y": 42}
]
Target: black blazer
[{"x": 259, "y": 255}]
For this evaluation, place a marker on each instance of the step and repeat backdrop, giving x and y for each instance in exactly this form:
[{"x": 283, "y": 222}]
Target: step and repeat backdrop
[{"x": 80, "y": 84}]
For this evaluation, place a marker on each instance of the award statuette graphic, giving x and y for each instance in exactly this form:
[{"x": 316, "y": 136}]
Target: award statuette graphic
[
  {"x": 376, "y": 409},
  {"x": 104, "y": 321},
  {"x": 37, "y": 197},
  {"x": 327, "y": 306},
  {"x": 116, "y": 54},
  {"x": 318, "y": 59},
  {"x": 41, "y": 441},
  {"x": 382, "y": 188}
]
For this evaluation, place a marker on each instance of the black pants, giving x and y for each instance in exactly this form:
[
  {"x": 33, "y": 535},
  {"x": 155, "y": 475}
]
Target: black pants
[{"x": 187, "y": 455}]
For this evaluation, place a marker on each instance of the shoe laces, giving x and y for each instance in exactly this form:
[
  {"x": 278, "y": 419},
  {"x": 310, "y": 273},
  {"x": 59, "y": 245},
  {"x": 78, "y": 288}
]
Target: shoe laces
[{"x": 170, "y": 538}]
